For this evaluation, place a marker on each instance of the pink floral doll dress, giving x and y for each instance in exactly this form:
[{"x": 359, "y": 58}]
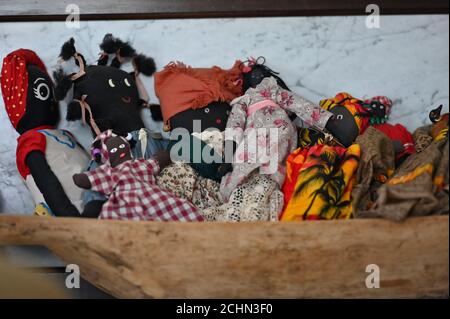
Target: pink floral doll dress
[{"x": 264, "y": 134}]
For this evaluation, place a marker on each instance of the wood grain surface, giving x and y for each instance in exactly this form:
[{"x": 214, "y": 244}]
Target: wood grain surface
[{"x": 322, "y": 259}]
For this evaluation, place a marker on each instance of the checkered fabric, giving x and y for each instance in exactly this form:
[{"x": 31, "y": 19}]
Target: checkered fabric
[{"x": 134, "y": 195}]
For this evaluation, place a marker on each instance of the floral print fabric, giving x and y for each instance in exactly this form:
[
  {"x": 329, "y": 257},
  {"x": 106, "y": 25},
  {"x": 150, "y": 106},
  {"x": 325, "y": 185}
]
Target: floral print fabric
[
  {"x": 252, "y": 131},
  {"x": 258, "y": 199},
  {"x": 184, "y": 182}
]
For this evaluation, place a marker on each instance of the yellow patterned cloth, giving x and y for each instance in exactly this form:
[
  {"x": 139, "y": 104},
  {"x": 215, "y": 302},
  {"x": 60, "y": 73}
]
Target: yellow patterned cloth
[
  {"x": 353, "y": 105},
  {"x": 319, "y": 182}
]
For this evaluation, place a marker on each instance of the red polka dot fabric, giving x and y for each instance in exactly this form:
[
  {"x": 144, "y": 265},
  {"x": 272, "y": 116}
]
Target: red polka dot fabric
[{"x": 14, "y": 82}]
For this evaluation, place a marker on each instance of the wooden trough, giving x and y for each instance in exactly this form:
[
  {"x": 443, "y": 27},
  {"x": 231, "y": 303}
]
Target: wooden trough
[{"x": 320, "y": 259}]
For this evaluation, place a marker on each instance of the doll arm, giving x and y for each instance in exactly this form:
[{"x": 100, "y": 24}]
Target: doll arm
[
  {"x": 307, "y": 111},
  {"x": 49, "y": 185},
  {"x": 82, "y": 181},
  {"x": 99, "y": 180},
  {"x": 163, "y": 159},
  {"x": 237, "y": 120},
  {"x": 236, "y": 123}
]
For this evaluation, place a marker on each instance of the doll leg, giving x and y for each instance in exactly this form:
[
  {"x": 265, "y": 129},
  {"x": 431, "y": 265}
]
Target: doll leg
[
  {"x": 245, "y": 162},
  {"x": 50, "y": 186},
  {"x": 92, "y": 209},
  {"x": 146, "y": 144},
  {"x": 232, "y": 180}
]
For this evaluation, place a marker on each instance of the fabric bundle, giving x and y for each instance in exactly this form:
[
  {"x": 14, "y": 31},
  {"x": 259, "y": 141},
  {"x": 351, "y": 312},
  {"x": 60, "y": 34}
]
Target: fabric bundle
[
  {"x": 184, "y": 182},
  {"x": 418, "y": 187},
  {"x": 376, "y": 166},
  {"x": 319, "y": 182},
  {"x": 401, "y": 137},
  {"x": 258, "y": 199}
]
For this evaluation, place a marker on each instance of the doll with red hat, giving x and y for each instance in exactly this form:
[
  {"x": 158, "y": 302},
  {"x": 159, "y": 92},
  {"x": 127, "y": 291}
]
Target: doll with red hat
[{"x": 46, "y": 157}]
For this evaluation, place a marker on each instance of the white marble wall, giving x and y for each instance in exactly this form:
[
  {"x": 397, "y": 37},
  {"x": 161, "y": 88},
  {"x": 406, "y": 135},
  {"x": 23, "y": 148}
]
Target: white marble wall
[{"x": 406, "y": 59}]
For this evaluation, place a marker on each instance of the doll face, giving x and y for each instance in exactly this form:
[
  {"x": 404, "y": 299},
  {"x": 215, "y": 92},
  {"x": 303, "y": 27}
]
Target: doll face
[
  {"x": 253, "y": 78},
  {"x": 112, "y": 96},
  {"x": 42, "y": 108},
  {"x": 214, "y": 115},
  {"x": 343, "y": 126},
  {"x": 118, "y": 149},
  {"x": 378, "y": 112}
]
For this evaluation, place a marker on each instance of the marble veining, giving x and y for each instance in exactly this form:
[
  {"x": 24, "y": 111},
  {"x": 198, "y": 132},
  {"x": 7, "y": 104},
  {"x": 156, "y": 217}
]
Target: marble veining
[{"x": 407, "y": 59}]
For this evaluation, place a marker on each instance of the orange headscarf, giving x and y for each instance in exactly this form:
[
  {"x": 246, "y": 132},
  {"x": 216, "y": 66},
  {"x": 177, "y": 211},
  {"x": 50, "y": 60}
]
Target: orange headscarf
[{"x": 180, "y": 87}]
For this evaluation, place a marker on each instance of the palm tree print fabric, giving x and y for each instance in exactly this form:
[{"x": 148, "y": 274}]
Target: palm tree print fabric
[{"x": 319, "y": 182}]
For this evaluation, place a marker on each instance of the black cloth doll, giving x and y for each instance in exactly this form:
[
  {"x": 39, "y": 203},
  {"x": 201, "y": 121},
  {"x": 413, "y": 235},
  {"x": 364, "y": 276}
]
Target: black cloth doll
[
  {"x": 107, "y": 97},
  {"x": 195, "y": 100},
  {"x": 46, "y": 157}
]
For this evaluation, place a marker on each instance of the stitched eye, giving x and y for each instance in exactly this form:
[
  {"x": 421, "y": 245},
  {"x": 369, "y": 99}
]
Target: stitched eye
[
  {"x": 381, "y": 107},
  {"x": 122, "y": 146},
  {"x": 113, "y": 150},
  {"x": 340, "y": 117},
  {"x": 42, "y": 92},
  {"x": 207, "y": 110},
  {"x": 111, "y": 83},
  {"x": 126, "y": 82},
  {"x": 228, "y": 112}
]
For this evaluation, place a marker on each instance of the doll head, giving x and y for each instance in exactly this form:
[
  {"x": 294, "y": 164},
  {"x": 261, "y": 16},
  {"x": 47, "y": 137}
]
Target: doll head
[
  {"x": 28, "y": 92},
  {"x": 99, "y": 151},
  {"x": 191, "y": 94},
  {"x": 105, "y": 96},
  {"x": 435, "y": 115},
  {"x": 350, "y": 117},
  {"x": 343, "y": 125},
  {"x": 214, "y": 115},
  {"x": 255, "y": 71},
  {"x": 379, "y": 108},
  {"x": 118, "y": 149}
]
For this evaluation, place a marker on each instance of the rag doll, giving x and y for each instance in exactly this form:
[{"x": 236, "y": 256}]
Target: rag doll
[
  {"x": 107, "y": 97},
  {"x": 46, "y": 157},
  {"x": 261, "y": 126},
  {"x": 379, "y": 109},
  {"x": 131, "y": 187},
  {"x": 195, "y": 109}
]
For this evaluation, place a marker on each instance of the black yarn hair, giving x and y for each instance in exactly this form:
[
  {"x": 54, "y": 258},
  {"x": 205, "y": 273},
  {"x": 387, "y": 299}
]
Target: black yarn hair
[
  {"x": 63, "y": 83},
  {"x": 68, "y": 51},
  {"x": 144, "y": 64},
  {"x": 113, "y": 45},
  {"x": 74, "y": 111},
  {"x": 258, "y": 72},
  {"x": 156, "y": 113}
]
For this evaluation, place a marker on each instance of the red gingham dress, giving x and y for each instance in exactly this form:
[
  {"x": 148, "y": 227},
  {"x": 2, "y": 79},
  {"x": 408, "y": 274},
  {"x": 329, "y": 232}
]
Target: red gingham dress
[{"x": 134, "y": 194}]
